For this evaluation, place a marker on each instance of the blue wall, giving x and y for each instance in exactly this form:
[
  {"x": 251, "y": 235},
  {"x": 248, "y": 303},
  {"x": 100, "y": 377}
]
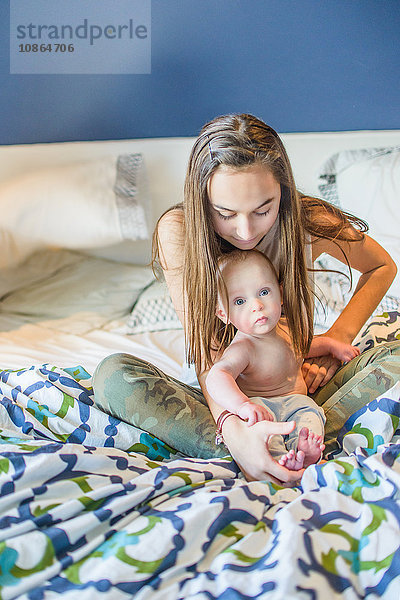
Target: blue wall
[{"x": 301, "y": 65}]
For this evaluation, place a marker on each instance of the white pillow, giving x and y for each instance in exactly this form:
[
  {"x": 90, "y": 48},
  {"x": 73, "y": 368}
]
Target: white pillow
[
  {"x": 79, "y": 205},
  {"x": 367, "y": 184}
]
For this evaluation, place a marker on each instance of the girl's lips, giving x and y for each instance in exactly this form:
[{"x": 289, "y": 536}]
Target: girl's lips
[{"x": 246, "y": 242}]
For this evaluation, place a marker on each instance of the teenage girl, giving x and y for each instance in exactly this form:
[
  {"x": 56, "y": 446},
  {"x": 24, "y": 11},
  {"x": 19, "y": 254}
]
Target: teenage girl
[{"x": 240, "y": 193}]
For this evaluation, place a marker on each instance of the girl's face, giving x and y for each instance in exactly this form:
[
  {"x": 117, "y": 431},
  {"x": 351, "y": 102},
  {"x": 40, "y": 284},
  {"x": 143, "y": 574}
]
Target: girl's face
[{"x": 244, "y": 204}]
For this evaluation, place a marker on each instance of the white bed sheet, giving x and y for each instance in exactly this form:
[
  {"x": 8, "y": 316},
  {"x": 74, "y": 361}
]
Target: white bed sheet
[
  {"x": 36, "y": 344},
  {"x": 68, "y": 309}
]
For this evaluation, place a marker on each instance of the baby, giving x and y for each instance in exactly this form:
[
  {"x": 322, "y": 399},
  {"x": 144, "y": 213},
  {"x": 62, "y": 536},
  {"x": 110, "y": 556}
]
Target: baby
[{"x": 258, "y": 376}]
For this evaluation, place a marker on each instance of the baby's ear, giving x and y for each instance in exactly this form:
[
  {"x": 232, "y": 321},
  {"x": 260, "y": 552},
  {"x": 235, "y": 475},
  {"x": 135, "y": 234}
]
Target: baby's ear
[{"x": 221, "y": 314}]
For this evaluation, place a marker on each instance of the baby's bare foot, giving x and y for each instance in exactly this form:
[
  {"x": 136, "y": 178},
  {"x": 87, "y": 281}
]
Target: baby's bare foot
[
  {"x": 311, "y": 444},
  {"x": 294, "y": 461},
  {"x": 309, "y": 450}
]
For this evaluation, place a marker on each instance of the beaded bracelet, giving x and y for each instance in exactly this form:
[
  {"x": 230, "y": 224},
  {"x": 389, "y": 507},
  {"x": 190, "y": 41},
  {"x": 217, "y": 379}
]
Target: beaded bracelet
[{"x": 220, "y": 421}]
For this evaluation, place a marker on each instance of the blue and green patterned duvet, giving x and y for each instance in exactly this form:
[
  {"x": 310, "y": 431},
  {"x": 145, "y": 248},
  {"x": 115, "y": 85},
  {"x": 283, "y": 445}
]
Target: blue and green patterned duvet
[{"x": 93, "y": 508}]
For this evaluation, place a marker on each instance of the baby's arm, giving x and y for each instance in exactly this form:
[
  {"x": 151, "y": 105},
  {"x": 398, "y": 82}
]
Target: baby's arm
[
  {"x": 322, "y": 345},
  {"x": 223, "y": 389}
]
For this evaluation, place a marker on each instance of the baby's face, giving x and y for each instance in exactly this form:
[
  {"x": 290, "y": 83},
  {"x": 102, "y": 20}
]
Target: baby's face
[{"x": 254, "y": 296}]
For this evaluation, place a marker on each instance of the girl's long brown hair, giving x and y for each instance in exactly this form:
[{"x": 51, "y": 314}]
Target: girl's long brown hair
[{"x": 239, "y": 141}]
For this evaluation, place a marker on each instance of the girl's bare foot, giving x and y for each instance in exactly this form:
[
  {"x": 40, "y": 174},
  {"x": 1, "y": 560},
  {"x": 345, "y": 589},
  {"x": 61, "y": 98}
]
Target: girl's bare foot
[{"x": 309, "y": 450}]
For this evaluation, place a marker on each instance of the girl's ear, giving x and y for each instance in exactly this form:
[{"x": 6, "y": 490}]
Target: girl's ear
[{"x": 221, "y": 315}]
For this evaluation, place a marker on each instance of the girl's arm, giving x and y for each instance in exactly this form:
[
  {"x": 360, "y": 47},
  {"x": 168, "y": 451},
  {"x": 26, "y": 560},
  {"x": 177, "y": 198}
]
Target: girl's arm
[
  {"x": 377, "y": 273},
  {"x": 171, "y": 238}
]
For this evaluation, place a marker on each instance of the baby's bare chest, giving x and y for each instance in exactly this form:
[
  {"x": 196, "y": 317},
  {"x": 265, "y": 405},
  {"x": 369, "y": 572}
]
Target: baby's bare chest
[{"x": 272, "y": 369}]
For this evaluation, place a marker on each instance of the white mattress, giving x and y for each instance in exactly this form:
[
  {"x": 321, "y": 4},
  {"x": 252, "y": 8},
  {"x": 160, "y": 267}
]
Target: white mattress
[{"x": 68, "y": 309}]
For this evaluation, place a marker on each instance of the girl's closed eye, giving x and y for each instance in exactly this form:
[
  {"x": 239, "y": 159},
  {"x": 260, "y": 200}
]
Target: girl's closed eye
[
  {"x": 225, "y": 217},
  {"x": 259, "y": 214}
]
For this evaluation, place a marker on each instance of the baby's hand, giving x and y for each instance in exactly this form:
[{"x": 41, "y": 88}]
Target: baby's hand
[{"x": 253, "y": 413}]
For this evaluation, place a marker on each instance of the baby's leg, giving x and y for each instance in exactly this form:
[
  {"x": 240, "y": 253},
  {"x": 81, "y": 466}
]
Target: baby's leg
[
  {"x": 306, "y": 443},
  {"x": 302, "y": 447},
  {"x": 276, "y": 443}
]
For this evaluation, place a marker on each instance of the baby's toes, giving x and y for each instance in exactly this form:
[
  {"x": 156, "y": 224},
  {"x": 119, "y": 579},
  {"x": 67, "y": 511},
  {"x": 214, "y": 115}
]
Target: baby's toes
[
  {"x": 299, "y": 459},
  {"x": 304, "y": 433},
  {"x": 318, "y": 439},
  {"x": 285, "y": 457}
]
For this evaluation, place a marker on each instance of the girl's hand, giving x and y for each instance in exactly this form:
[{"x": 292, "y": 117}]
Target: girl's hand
[
  {"x": 324, "y": 344},
  {"x": 318, "y": 371},
  {"x": 253, "y": 413},
  {"x": 249, "y": 448},
  {"x": 324, "y": 358},
  {"x": 343, "y": 351}
]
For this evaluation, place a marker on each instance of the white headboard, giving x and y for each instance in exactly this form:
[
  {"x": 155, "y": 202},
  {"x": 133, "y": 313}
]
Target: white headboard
[{"x": 166, "y": 161}]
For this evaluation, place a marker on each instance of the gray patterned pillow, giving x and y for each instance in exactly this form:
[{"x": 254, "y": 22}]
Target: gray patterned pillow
[
  {"x": 153, "y": 311},
  {"x": 333, "y": 293},
  {"x": 366, "y": 183}
]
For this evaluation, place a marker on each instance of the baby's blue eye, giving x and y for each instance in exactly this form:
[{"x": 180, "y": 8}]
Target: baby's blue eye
[
  {"x": 264, "y": 292},
  {"x": 239, "y": 301}
]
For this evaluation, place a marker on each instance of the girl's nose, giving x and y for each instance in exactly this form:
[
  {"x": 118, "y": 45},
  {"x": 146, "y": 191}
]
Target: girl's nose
[{"x": 244, "y": 230}]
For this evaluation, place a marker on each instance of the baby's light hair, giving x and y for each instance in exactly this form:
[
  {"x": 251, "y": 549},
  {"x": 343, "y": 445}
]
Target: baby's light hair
[{"x": 238, "y": 255}]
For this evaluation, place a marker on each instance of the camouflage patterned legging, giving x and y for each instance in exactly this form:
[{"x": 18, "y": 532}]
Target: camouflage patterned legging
[{"x": 139, "y": 393}]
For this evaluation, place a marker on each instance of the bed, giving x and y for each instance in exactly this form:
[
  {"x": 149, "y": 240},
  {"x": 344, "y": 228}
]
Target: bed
[{"x": 92, "y": 507}]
